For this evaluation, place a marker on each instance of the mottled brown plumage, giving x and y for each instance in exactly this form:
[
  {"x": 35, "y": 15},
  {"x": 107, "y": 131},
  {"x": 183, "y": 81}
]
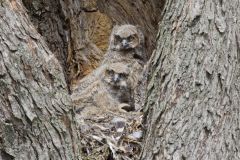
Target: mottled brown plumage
[
  {"x": 116, "y": 80},
  {"x": 126, "y": 45},
  {"x": 111, "y": 90}
]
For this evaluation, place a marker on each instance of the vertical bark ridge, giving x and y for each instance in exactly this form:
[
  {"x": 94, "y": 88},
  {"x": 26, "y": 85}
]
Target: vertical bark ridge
[
  {"x": 36, "y": 118},
  {"x": 193, "y": 93}
]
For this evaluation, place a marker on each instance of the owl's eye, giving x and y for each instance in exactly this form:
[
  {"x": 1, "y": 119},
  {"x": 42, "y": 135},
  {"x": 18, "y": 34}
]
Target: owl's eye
[
  {"x": 117, "y": 38},
  {"x": 123, "y": 75},
  {"x": 110, "y": 72},
  {"x": 130, "y": 38}
]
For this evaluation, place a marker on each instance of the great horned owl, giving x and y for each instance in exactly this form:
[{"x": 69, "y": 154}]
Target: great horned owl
[
  {"x": 119, "y": 83},
  {"x": 126, "y": 44},
  {"x": 111, "y": 90},
  {"x": 126, "y": 48}
]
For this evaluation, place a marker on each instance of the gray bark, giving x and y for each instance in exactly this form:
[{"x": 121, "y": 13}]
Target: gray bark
[
  {"x": 192, "y": 107},
  {"x": 36, "y": 119}
]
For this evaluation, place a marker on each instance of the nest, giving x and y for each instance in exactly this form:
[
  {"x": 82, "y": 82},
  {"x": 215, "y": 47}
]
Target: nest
[{"x": 110, "y": 134}]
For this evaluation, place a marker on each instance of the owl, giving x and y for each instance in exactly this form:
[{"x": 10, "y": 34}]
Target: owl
[
  {"x": 112, "y": 90},
  {"x": 126, "y": 44},
  {"x": 119, "y": 83},
  {"x": 119, "y": 74}
]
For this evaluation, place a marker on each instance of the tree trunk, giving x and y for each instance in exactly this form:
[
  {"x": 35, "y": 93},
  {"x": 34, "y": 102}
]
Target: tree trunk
[
  {"x": 36, "y": 119},
  {"x": 192, "y": 107}
]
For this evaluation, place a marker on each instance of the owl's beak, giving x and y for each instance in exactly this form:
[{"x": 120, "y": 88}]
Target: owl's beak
[
  {"x": 116, "y": 78},
  {"x": 125, "y": 43}
]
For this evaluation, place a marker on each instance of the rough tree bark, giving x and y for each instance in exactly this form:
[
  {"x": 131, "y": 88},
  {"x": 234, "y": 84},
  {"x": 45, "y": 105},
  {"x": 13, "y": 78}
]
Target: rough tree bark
[
  {"x": 193, "y": 102},
  {"x": 192, "y": 108},
  {"x": 36, "y": 119}
]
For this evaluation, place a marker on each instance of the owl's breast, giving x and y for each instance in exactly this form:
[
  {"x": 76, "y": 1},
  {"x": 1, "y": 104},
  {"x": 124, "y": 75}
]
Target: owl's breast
[{"x": 117, "y": 56}]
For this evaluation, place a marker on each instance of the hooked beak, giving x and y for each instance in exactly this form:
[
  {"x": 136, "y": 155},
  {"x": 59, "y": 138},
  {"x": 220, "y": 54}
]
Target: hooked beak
[
  {"x": 116, "y": 78},
  {"x": 125, "y": 43}
]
